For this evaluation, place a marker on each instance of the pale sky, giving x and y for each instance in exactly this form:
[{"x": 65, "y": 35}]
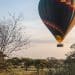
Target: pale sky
[{"x": 43, "y": 44}]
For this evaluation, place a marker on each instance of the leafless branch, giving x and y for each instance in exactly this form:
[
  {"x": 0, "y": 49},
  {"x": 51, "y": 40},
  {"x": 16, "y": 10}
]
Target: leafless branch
[{"x": 11, "y": 38}]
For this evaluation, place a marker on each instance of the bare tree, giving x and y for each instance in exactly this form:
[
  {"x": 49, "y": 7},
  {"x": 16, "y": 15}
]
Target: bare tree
[
  {"x": 71, "y": 54},
  {"x": 11, "y": 38},
  {"x": 73, "y": 46},
  {"x": 70, "y": 61}
]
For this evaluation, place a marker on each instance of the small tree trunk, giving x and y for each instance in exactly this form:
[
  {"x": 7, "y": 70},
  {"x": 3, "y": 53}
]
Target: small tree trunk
[
  {"x": 37, "y": 71},
  {"x": 2, "y": 61},
  {"x": 26, "y": 69}
]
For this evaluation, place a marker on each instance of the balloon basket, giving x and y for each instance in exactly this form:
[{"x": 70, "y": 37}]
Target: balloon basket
[{"x": 59, "y": 45}]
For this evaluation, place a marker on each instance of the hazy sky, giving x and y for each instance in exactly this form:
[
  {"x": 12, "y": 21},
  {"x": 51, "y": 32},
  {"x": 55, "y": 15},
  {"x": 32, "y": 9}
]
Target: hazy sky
[{"x": 43, "y": 44}]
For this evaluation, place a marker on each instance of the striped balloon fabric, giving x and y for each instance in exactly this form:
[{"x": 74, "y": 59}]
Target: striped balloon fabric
[
  {"x": 69, "y": 2},
  {"x": 58, "y": 16}
]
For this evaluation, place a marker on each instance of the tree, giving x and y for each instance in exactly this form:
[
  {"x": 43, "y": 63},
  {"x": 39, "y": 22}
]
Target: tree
[
  {"x": 37, "y": 64},
  {"x": 73, "y": 46},
  {"x": 26, "y": 63},
  {"x": 52, "y": 63},
  {"x": 70, "y": 60},
  {"x": 11, "y": 38},
  {"x": 15, "y": 62},
  {"x": 2, "y": 62}
]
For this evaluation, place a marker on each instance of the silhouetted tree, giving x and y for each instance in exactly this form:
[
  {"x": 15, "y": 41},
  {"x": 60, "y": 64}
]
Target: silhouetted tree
[
  {"x": 26, "y": 63},
  {"x": 51, "y": 63},
  {"x": 37, "y": 64},
  {"x": 15, "y": 62},
  {"x": 70, "y": 60},
  {"x": 11, "y": 38}
]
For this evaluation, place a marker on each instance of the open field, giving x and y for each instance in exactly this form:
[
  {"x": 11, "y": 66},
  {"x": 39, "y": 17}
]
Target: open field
[{"x": 23, "y": 72}]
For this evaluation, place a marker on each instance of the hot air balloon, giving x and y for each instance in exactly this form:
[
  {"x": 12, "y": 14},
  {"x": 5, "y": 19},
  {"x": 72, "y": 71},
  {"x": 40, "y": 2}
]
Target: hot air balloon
[{"x": 58, "y": 16}]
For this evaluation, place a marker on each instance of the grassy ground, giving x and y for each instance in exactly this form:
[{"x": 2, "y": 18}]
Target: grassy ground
[{"x": 22, "y": 72}]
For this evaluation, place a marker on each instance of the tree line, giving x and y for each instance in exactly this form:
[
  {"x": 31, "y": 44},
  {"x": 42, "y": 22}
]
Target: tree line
[{"x": 51, "y": 65}]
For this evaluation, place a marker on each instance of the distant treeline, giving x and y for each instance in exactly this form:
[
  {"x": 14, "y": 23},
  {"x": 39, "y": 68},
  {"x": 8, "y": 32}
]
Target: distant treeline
[{"x": 52, "y": 65}]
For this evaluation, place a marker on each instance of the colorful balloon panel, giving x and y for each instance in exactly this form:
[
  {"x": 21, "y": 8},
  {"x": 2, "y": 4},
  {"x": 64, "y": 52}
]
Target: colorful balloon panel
[{"x": 57, "y": 15}]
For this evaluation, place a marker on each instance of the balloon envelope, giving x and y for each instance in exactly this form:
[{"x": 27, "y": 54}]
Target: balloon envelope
[{"x": 57, "y": 15}]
